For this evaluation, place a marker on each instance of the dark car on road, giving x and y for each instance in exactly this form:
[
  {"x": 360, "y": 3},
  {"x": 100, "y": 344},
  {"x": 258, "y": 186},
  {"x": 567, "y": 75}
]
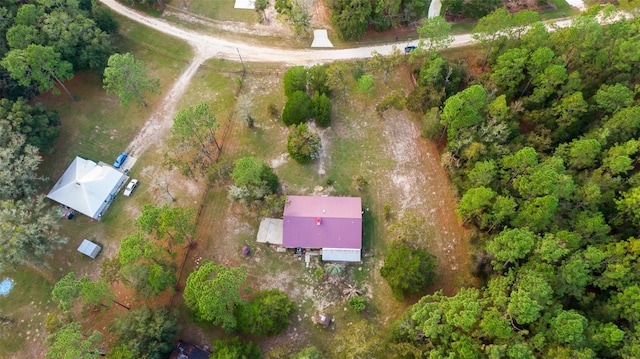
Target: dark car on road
[
  {"x": 408, "y": 49},
  {"x": 120, "y": 160}
]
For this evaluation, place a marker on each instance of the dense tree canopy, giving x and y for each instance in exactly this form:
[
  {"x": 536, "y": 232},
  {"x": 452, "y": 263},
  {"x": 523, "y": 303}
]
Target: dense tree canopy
[
  {"x": 176, "y": 224},
  {"x": 38, "y": 66},
  {"x": 407, "y": 269},
  {"x": 20, "y": 161},
  {"x": 146, "y": 265},
  {"x": 52, "y": 39},
  {"x": 546, "y": 165},
  {"x": 34, "y": 122},
  {"x": 28, "y": 232},
  {"x": 297, "y": 109},
  {"x": 235, "y": 348},
  {"x": 70, "y": 342},
  {"x": 351, "y": 17},
  {"x": 295, "y": 79}
]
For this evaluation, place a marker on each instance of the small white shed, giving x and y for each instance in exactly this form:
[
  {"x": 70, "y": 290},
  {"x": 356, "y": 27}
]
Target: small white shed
[{"x": 89, "y": 248}]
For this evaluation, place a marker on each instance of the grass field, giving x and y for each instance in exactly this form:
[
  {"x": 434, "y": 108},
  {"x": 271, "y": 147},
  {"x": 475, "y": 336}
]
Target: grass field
[{"x": 220, "y": 10}]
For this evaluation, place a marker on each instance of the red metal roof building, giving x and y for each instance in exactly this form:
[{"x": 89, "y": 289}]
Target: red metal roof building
[{"x": 333, "y": 224}]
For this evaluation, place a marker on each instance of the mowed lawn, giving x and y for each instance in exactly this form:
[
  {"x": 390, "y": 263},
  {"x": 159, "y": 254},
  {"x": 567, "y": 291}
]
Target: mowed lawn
[
  {"x": 95, "y": 127},
  {"x": 220, "y": 10}
]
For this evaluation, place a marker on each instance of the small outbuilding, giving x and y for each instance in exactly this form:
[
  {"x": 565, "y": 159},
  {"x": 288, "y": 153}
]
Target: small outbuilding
[
  {"x": 323, "y": 319},
  {"x": 89, "y": 248},
  {"x": 185, "y": 350},
  {"x": 88, "y": 187}
]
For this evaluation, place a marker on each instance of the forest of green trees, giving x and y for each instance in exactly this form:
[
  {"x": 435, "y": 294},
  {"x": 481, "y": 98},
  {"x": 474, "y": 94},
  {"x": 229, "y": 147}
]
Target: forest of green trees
[
  {"x": 543, "y": 148},
  {"x": 42, "y": 44}
]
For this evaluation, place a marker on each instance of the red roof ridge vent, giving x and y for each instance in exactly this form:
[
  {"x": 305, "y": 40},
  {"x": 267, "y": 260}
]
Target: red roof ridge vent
[{"x": 318, "y": 221}]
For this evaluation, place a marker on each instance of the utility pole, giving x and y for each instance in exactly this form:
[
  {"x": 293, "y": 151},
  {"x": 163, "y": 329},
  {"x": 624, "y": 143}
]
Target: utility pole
[{"x": 244, "y": 69}]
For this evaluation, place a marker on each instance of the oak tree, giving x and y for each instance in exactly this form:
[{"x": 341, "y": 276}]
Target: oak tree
[
  {"x": 213, "y": 292},
  {"x": 303, "y": 144},
  {"x": 28, "y": 232}
]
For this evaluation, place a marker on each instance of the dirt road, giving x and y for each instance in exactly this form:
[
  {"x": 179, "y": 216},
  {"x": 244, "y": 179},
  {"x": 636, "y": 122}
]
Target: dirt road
[
  {"x": 216, "y": 47},
  {"x": 207, "y": 46}
]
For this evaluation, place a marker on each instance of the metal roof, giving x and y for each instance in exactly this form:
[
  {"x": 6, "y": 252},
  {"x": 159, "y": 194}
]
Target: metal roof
[
  {"x": 341, "y": 255},
  {"x": 87, "y": 187},
  {"x": 322, "y": 222}
]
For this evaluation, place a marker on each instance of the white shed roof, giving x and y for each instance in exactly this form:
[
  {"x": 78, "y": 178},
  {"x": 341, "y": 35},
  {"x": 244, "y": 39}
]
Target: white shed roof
[
  {"x": 87, "y": 187},
  {"x": 340, "y": 255},
  {"x": 89, "y": 248}
]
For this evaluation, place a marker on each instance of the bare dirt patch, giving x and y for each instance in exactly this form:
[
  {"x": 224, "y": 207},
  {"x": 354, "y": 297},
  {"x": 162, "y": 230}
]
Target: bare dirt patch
[
  {"x": 320, "y": 15},
  {"x": 422, "y": 186}
]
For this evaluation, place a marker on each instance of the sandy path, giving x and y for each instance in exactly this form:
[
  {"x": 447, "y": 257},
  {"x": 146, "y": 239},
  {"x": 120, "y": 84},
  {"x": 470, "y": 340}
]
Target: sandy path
[{"x": 161, "y": 121}]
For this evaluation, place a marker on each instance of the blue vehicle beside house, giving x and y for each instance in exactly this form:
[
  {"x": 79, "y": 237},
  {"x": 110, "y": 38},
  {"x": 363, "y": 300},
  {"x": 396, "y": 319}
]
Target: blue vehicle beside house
[{"x": 122, "y": 157}]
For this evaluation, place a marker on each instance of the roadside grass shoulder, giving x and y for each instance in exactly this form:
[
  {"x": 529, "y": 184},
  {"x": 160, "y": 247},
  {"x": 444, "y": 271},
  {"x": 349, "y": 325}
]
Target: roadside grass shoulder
[
  {"x": 221, "y": 10},
  {"x": 135, "y": 36}
]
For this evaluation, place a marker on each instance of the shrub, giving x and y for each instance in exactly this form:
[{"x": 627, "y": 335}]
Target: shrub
[
  {"x": 388, "y": 215},
  {"x": 365, "y": 85},
  {"x": 298, "y": 109},
  {"x": 267, "y": 314},
  {"x": 357, "y": 304},
  {"x": 295, "y": 79},
  {"x": 395, "y": 100},
  {"x": 317, "y": 80},
  {"x": 307, "y": 353},
  {"x": 303, "y": 144},
  {"x": 273, "y": 110},
  {"x": 408, "y": 270},
  {"x": 322, "y": 109},
  {"x": 360, "y": 182},
  {"x": 235, "y": 348}
]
